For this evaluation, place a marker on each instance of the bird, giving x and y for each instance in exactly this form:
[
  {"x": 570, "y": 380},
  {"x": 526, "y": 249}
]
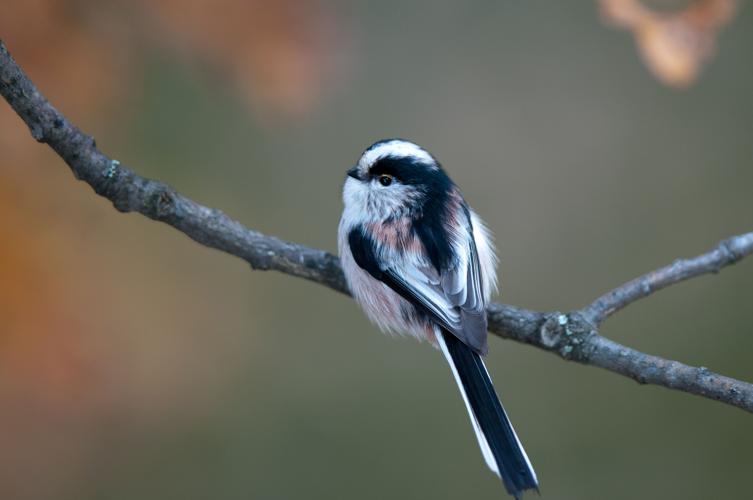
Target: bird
[{"x": 419, "y": 261}]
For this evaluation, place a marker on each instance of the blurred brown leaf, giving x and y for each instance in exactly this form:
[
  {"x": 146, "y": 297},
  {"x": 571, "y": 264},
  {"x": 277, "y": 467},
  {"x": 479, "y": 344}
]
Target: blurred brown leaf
[{"x": 674, "y": 45}]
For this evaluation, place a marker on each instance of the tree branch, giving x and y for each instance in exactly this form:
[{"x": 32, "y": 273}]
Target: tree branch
[
  {"x": 727, "y": 252},
  {"x": 572, "y": 336}
]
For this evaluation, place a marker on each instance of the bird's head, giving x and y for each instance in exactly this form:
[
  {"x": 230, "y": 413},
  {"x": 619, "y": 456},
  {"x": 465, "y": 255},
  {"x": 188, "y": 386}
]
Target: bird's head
[{"x": 394, "y": 178}]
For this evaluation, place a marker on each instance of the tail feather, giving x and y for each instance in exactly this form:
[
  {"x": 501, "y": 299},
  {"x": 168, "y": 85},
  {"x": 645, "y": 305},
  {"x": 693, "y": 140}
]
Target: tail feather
[{"x": 499, "y": 444}]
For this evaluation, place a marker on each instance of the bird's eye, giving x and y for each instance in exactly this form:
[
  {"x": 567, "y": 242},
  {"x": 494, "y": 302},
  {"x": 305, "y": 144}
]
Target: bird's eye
[{"x": 385, "y": 180}]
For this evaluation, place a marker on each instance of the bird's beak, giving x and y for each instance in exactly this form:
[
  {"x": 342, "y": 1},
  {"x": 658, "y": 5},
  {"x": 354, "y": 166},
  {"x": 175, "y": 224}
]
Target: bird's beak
[{"x": 353, "y": 172}]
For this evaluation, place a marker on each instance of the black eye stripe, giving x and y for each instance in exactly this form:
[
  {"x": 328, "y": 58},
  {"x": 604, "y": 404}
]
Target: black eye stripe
[
  {"x": 407, "y": 170},
  {"x": 383, "y": 167}
]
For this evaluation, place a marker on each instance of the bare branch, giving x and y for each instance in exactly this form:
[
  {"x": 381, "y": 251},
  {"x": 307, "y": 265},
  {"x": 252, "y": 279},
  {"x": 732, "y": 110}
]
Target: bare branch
[
  {"x": 726, "y": 253},
  {"x": 572, "y": 336},
  {"x": 130, "y": 192}
]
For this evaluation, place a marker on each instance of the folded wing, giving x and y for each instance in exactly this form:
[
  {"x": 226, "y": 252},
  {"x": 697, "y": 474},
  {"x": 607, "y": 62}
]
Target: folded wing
[{"x": 452, "y": 295}]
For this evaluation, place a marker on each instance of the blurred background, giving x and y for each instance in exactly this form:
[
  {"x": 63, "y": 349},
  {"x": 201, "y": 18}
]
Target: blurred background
[{"x": 598, "y": 139}]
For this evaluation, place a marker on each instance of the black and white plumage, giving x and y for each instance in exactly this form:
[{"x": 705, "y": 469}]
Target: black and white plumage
[{"x": 421, "y": 262}]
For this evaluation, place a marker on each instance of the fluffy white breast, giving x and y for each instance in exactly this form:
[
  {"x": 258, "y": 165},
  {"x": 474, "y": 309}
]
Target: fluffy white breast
[{"x": 385, "y": 308}]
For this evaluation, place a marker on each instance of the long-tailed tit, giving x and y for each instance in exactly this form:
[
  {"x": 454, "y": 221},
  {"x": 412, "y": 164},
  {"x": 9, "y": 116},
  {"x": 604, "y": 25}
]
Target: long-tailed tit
[{"x": 420, "y": 261}]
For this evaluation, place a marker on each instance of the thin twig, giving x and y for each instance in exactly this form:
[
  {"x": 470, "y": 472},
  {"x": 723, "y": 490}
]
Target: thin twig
[
  {"x": 572, "y": 336},
  {"x": 726, "y": 253}
]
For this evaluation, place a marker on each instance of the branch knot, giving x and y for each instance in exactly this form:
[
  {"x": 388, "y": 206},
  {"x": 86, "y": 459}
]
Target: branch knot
[
  {"x": 162, "y": 202},
  {"x": 568, "y": 334}
]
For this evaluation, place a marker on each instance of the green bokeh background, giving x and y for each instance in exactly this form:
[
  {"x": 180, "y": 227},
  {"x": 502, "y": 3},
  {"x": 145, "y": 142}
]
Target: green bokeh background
[{"x": 588, "y": 171}]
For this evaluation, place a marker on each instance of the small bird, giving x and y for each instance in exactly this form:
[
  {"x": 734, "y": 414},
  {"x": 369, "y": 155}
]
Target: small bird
[{"x": 419, "y": 261}]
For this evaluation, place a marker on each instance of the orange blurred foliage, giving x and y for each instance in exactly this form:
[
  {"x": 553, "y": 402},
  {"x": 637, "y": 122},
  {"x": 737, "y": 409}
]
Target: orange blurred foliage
[
  {"x": 75, "y": 53},
  {"x": 47, "y": 375},
  {"x": 281, "y": 55},
  {"x": 83, "y": 55},
  {"x": 674, "y": 45},
  {"x": 40, "y": 350}
]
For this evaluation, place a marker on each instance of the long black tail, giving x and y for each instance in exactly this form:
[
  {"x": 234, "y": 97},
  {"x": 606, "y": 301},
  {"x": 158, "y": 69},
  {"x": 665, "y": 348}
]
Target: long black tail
[{"x": 497, "y": 439}]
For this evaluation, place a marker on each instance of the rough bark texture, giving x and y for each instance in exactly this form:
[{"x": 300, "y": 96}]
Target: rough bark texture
[{"x": 572, "y": 336}]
